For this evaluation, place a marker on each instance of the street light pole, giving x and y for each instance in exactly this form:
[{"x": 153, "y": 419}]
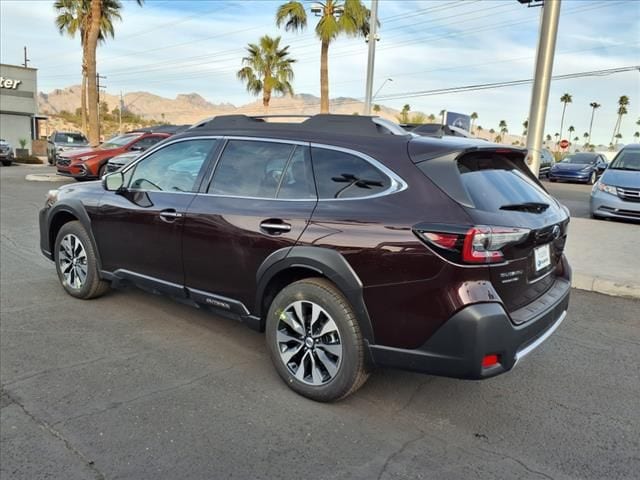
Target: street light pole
[
  {"x": 378, "y": 91},
  {"x": 373, "y": 35},
  {"x": 544, "y": 68}
]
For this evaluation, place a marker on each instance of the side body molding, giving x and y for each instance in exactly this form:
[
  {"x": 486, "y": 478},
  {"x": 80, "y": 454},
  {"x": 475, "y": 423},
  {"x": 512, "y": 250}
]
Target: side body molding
[{"x": 327, "y": 262}]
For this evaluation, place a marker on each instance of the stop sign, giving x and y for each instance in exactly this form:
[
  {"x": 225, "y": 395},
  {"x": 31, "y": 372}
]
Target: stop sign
[{"x": 564, "y": 143}]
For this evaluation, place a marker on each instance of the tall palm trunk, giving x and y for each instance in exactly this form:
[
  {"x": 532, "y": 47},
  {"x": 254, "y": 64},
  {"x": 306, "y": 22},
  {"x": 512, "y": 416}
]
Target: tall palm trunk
[
  {"x": 266, "y": 98},
  {"x": 616, "y": 128},
  {"x": 92, "y": 87},
  {"x": 83, "y": 100},
  {"x": 324, "y": 77},
  {"x": 593, "y": 113}
]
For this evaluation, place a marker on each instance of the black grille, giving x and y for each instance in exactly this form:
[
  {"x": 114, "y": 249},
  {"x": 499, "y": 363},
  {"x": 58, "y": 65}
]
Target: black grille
[
  {"x": 629, "y": 194},
  {"x": 63, "y": 161}
]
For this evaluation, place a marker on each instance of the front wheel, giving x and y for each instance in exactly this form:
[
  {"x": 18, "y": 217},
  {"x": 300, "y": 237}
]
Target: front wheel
[
  {"x": 315, "y": 341},
  {"x": 6, "y": 163},
  {"x": 77, "y": 263},
  {"x": 592, "y": 178}
]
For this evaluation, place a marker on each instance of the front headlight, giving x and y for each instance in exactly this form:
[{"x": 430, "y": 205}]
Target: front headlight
[
  {"x": 603, "y": 187},
  {"x": 85, "y": 158},
  {"x": 52, "y": 197}
]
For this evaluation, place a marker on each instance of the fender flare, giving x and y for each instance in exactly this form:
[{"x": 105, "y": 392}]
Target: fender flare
[{"x": 326, "y": 262}]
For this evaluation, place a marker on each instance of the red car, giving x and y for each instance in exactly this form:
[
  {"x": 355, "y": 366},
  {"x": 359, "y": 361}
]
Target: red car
[{"x": 91, "y": 163}]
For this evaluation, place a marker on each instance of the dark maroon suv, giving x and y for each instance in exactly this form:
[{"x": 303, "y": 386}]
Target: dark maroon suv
[{"x": 348, "y": 241}]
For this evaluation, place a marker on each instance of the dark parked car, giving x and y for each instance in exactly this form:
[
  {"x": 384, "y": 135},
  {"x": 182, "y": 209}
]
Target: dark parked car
[
  {"x": 579, "y": 167},
  {"x": 546, "y": 161},
  {"x": 59, "y": 142},
  {"x": 617, "y": 193},
  {"x": 350, "y": 246},
  {"x": 6, "y": 153}
]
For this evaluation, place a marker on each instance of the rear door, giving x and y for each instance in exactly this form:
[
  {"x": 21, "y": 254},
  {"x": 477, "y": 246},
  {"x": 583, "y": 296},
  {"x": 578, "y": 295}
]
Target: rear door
[
  {"x": 259, "y": 200},
  {"x": 504, "y": 194}
]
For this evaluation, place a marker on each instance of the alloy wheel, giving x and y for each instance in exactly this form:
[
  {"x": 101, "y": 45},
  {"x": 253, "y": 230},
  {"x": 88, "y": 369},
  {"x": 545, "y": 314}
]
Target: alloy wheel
[
  {"x": 309, "y": 343},
  {"x": 72, "y": 260}
]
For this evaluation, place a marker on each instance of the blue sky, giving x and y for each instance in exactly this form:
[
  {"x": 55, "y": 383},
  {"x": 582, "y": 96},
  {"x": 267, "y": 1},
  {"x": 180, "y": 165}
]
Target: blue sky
[{"x": 172, "y": 47}]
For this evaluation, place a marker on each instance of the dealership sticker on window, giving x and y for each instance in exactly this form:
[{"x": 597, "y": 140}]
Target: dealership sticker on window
[{"x": 542, "y": 256}]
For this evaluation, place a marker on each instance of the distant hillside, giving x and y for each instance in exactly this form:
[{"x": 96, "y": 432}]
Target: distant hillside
[{"x": 189, "y": 108}]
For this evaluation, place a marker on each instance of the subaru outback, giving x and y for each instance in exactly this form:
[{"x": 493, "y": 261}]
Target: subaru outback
[{"x": 350, "y": 243}]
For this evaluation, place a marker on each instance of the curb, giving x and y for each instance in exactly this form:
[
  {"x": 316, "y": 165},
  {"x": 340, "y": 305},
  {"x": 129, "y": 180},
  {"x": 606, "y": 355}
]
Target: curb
[
  {"x": 605, "y": 286},
  {"x": 45, "y": 177}
]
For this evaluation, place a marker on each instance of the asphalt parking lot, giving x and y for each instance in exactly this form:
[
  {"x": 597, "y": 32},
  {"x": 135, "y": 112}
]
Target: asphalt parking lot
[
  {"x": 135, "y": 386},
  {"x": 574, "y": 195}
]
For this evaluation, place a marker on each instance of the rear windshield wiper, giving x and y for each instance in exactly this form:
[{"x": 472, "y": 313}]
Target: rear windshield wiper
[{"x": 535, "y": 207}]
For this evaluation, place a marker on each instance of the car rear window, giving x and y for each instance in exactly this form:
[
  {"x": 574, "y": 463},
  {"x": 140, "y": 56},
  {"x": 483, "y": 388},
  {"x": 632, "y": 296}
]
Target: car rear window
[
  {"x": 70, "y": 138},
  {"x": 493, "y": 181}
]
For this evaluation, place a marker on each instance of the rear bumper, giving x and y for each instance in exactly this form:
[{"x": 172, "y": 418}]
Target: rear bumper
[
  {"x": 570, "y": 177},
  {"x": 459, "y": 346}
]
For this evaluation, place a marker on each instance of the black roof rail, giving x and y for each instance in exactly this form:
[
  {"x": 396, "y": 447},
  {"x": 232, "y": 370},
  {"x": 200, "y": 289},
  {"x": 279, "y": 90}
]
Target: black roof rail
[
  {"x": 172, "y": 129},
  {"x": 341, "y": 124}
]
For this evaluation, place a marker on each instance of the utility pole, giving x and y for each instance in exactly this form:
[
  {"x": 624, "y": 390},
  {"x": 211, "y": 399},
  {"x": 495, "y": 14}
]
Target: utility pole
[
  {"x": 550, "y": 17},
  {"x": 373, "y": 37},
  {"x": 98, "y": 78},
  {"x": 26, "y": 60}
]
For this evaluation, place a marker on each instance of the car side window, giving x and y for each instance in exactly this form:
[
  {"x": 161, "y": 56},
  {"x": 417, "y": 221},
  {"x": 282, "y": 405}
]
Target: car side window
[
  {"x": 250, "y": 168},
  {"x": 174, "y": 168},
  {"x": 342, "y": 175},
  {"x": 147, "y": 142},
  {"x": 297, "y": 180}
]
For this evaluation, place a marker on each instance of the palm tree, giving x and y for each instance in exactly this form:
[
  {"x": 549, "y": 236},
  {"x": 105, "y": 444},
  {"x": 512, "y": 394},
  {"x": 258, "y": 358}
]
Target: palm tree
[
  {"x": 618, "y": 137},
  {"x": 503, "y": 127},
  {"x": 404, "y": 114},
  {"x": 566, "y": 98},
  {"x": 498, "y": 139},
  {"x": 376, "y": 108},
  {"x": 478, "y": 129},
  {"x": 432, "y": 117},
  {"x": 525, "y": 126},
  {"x": 350, "y": 17},
  {"x": 73, "y": 18},
  {"x": 623, "y": 101},
  {"x": 549, "y": 138},
  {"x": 585, "y": 135},
  {"x": 594, "y": 106},
  {"x": 492, "y": 131},
  {"x": 571, "y": 130},
  {"x": 636, "y": 136},
  {"x": 474, "y": 117},
  {"x": 267, "y": 69},
  {"x": 100, "y": 13}
]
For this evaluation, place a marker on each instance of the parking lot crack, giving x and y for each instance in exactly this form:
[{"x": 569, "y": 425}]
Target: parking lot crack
[
  {"x": 398, "y": 452},
  {"x": 518, "y": 461},
  {"x": 12, "y": 400},
  {"x": 118, "y": 404}
]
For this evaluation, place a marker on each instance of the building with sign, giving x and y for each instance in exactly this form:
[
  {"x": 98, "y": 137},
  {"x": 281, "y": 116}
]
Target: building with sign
[{"x": 19, "y": 117}]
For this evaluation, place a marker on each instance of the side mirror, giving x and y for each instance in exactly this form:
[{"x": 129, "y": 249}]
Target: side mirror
[{"x": 113, "y": 182}]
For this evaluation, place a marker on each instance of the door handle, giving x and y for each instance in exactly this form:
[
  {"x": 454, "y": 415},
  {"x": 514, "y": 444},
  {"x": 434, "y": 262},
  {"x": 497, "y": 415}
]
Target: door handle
[
  {"x": 170, "y": 215},
  {"x": 275, "y": 227}
]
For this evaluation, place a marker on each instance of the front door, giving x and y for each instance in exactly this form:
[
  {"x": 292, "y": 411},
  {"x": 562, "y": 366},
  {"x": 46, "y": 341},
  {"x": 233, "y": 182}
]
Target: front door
[
  {"x": 139, "y": 230},
  {"x": 259, "y": 200}
]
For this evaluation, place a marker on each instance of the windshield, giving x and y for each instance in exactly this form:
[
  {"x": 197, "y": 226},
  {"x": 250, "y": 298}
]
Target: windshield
[
  {"x": 626, "y": 160},
  {"x": 579, "y": 158},
  {"x": 71, "y": 138},
  {"x": 120, "y": 141}
]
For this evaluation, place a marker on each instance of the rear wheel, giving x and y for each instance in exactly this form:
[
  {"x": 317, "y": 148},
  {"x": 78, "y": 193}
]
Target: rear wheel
[
  {"x": 77, "y": 263},
  {"x": 553, "y": 180},
  {"x": 315, "y": 341}
]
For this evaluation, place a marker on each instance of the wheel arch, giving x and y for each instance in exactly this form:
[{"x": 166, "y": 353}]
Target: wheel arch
[
  {"x": 291, "y": 264},
  {"x": 69, "y": 212}
]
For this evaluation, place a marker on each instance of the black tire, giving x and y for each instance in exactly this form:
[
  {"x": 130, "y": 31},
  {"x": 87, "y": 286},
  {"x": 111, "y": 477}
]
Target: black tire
[
  {"x": 7, "y": 163},
  {"x": 592, "y": 178},
  {"x": 102, "y": 171},
  {"x": 92, "y": 286},
  {"x": 552, "y": 180},
  {"x": 50, "y": 158},
  {"x": 352, "y": 371}
]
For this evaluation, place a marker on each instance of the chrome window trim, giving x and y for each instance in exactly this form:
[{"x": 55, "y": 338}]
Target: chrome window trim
[{"x": 397, "y": 183}]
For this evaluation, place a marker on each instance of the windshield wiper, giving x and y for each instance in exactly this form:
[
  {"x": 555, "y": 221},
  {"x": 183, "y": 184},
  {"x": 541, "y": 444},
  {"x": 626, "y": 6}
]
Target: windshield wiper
[{"x": 534, "y": 207}]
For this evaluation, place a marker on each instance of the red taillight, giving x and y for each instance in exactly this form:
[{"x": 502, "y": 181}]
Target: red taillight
[
  {"x": 479, "y": 244},
  {"x": 444, "y": 240},
  {"x": 490, "y": 361}
]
